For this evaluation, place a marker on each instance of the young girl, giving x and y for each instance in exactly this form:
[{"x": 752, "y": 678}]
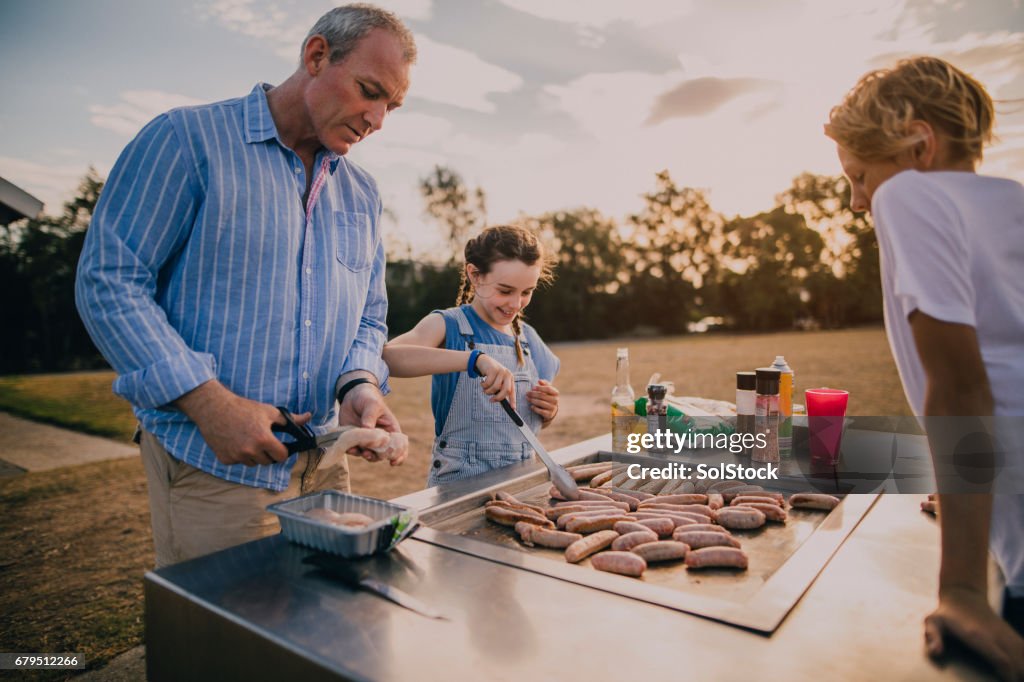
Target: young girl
[
  {"x": 952, "y": 252},
  {"x": 481, "y": 352}
]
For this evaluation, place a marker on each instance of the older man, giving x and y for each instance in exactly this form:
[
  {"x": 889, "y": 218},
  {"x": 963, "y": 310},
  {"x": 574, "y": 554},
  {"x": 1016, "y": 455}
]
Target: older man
[{"x": 234, "y": 263}]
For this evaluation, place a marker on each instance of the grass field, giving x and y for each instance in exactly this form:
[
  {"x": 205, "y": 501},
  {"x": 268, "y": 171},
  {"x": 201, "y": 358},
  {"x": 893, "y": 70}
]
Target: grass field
[{"x": 74, "y": 543}]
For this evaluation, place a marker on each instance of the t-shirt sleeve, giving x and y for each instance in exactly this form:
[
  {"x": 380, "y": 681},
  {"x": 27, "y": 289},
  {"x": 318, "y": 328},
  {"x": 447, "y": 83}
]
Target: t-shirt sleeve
[
  {"x": 547, "y": 362},
  {"x": 922, "y": 235}
]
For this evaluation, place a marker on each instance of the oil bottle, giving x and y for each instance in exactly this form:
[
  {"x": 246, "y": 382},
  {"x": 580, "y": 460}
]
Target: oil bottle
[{"x": 623, "y": 399}]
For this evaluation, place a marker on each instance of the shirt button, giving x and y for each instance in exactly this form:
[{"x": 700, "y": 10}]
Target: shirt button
[
  {"x": 305, "y": 375},
  {"x": 309, "y": 271},
  {"x": 297, "y": 170},
  {"x": 309, "y": 323}
]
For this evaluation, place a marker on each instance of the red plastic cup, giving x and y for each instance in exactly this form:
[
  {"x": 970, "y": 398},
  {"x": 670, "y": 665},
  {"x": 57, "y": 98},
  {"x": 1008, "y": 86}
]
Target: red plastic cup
[{"x": 826, "y": 408}]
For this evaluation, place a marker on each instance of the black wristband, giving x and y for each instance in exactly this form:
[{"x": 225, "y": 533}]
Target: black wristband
[{"x": 348, "y": 386}]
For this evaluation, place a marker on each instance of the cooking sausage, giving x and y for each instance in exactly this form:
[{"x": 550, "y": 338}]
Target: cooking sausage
[
  {"x": 545, "y": 537},
  {"x": 584, "y": 547},
  {"x": 722, "y": 486},
  {"x": 601, "y": 479},
  {"x": 592, "y": 524},
  {"x": 585, "y": 472},
  {"x": 708, "y": 527},
  {"x": 634, "y": 493},
  {"x": 663, "y": 527},
  {"x": 509, "y": 517},
  {"x": 623, "y": 563},
  {"x": 515, "y": 505},
  {"x": 677, "y": 518},
  {"x": 620, "y": 478},
  {"x": 772, "y": 512},
  {"x": 740, "y": 499},
  {"x": 715, "y": 501},
  {"x": 716, "y": 557},
  {"x": 698, "y": 539},
  {"x": 681, "y": 498},
  {"x": 740, "y": 518},
  {"x": 565, "y": 519},
  {"x": 556, "y": 513},
  {"x": 630, "y": 502},
  {"x": 813, "y": 501},
  {"x": 601, "y": 501},
  {"x": 663, "y": 550},
  {"x": 701, "y": 509},
  {"x": 628, "y": 541},
  {"x": 654, "y": 486},
  {"x": 765, "y": 496},
  {"x": 741, "y": 490}
]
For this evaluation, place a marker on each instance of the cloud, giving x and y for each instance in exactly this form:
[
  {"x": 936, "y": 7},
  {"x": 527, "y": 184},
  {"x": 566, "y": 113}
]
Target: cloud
[
  {"x": 701, "y": 96},
  {"x": 136, "y": 109},
  {"x": 454, "y": 76},
  {"x": 601, "y": 13}
]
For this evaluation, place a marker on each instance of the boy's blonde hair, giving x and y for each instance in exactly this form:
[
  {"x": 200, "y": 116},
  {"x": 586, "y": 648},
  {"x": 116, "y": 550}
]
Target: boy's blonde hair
[{"x": 873, "y": 120}]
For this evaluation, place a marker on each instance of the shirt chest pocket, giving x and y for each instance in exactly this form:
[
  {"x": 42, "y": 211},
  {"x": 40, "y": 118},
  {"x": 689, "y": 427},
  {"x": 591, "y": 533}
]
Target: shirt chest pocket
[{"x": 355, "y": 240}]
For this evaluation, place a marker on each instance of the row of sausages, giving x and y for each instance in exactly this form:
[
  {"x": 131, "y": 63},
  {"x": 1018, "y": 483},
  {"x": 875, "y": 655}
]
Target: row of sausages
[{"x": 623, "y": 530}]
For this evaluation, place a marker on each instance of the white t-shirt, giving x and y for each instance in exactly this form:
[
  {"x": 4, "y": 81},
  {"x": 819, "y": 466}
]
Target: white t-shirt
[{"x": 952, "y": 246}]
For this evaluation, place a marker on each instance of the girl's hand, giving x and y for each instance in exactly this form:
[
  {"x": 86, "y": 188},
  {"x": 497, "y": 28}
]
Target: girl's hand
[
  {"x": 498, "y": 380},
  {"x": 543, "y": 399}
]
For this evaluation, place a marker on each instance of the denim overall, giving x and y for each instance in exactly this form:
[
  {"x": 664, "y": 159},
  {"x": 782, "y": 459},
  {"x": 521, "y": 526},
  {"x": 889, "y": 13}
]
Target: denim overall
[{"x": 477, "y": 435}]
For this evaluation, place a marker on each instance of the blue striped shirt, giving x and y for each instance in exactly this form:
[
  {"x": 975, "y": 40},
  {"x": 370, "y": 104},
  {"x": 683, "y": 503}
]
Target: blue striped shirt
[{"x": 201, "y": 263}]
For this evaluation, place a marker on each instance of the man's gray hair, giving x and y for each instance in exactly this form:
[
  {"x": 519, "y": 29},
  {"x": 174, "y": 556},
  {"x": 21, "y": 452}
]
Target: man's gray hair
[{"x": 343, "y": 28}]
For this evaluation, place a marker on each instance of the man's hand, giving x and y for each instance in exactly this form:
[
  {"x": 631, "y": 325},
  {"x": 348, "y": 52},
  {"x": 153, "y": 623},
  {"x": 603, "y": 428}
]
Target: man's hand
[
  {"x": 498, "y": 380},
  {"x": 543, "y": 399},
  {"x": 364, "y": 406},
  {"x": 966, "y": 615},
  {"x": 383, "y": 445},
  {"x": 236, "y": 429}
]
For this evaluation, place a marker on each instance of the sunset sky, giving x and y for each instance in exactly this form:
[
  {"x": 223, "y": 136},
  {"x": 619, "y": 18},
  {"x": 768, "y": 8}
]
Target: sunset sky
[{"x": 545, "y": 104}]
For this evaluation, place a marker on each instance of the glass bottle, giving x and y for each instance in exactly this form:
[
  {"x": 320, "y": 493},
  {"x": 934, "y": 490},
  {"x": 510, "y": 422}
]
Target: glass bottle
[
  {"x": 746, "y": 403},
  {"x": 623, "y": 402}
]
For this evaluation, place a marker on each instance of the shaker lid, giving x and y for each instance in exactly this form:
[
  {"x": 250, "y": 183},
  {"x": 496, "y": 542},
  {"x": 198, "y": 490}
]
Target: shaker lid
[
  {"x": 746, "y": 381},
  {"x": 768, "y": 381}
]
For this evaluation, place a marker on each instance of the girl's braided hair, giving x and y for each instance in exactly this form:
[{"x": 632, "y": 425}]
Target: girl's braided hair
[{"x": 498, "y": 243}]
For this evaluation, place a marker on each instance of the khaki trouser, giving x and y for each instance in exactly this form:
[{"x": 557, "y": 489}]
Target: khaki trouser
[{"x": 194, "y": 513}]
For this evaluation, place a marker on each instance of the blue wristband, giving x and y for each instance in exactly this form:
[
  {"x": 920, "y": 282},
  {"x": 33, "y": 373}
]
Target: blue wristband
[{"x": 471, "y": 365}]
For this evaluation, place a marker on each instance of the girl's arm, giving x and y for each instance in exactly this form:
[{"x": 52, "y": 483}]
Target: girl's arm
[{"x": 418, "y": 353}]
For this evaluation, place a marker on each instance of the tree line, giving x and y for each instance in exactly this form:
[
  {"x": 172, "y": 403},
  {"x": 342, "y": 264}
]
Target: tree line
[{"x": 809, "y": 262}]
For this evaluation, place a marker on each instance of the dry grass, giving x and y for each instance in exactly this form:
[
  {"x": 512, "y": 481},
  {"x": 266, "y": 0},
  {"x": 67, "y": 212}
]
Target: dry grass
[{"x": 75, "y": 542}]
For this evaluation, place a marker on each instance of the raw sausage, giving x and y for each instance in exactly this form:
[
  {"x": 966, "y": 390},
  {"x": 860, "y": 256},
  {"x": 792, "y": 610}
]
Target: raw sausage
[
  {"x": 740, "y": 518},
  {"x": 663, "y": 550},
  {"x": 813, "y": 501},
  {"x": 591, "y": 524},
  {"x": 509, "y": 517},
  {"x": 772, "y": 512},
  {"x": 715, "y": 500},
  {"x": 623, "y": 563},
  {"x": 545, "y": 537},
  {"x": 684, "y": 508},
  {"x": 720, "y": 557},
  {"x": 583, "y": 548},
  {"x": 631, "y": 502},
  {"x": 681, "y": 498},
  {"x": 708, "y": 527},
  {"x": 698, "y": 539},
  {"x": 628, "y": 541}
]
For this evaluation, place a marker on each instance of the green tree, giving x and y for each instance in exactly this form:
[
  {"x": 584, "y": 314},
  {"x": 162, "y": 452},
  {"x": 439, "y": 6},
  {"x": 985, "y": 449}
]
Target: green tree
[{"x": 461, "y": 211}]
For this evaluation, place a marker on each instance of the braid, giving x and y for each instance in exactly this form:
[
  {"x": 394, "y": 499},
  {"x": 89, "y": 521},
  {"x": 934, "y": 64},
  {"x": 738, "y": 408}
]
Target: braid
[
  {"x": 516, "y": 331},
  {"x": 465, "y": 289}
]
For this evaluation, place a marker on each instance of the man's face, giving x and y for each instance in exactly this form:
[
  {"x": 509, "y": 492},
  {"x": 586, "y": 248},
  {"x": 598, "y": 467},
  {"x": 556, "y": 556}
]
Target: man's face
[{"x": 349, "y": 100}]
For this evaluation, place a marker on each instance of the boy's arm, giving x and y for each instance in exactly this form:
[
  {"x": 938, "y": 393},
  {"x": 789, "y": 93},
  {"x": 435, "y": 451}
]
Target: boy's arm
[{"x": 958, "y": 387}]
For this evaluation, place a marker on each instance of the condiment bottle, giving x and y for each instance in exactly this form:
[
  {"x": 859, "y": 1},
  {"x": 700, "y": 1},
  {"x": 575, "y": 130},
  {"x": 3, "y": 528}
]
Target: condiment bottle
[
  {"x": 766, "y": 416},
  {"x": 657, "y": 412},
  {"x": 785, "y": 406},
  {"x": 746, "y": 401},
  {"x": 623, "y": 399}
]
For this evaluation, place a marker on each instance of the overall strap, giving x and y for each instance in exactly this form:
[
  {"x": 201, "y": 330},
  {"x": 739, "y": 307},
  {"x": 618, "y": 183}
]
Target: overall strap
[{"x": 465, "y": 328}]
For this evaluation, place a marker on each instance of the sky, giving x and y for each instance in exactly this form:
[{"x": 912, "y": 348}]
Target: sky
[{"x": 545, "y": 104}]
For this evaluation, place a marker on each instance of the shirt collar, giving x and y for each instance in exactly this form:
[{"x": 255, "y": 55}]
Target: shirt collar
[{"x": 260, "y": 127}]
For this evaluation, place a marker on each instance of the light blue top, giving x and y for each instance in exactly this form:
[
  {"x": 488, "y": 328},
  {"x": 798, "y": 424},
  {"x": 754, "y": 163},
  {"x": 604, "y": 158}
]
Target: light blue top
[
  {"x": 442, "y": 388},
  {"x": 201, "y": 262}
]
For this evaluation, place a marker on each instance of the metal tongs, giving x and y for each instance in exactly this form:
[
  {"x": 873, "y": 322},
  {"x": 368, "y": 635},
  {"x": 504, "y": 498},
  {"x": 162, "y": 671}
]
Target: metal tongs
[{"x": 563, "y": 481}]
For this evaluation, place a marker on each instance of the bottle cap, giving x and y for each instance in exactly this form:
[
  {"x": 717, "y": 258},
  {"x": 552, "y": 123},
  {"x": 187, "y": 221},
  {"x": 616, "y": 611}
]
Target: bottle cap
[
  {"x": 746, "y": 381},
  {"x": 657, "y": 391},
  {"x": 622, "y": 352},
  {"x": 768, "y": 381}
]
